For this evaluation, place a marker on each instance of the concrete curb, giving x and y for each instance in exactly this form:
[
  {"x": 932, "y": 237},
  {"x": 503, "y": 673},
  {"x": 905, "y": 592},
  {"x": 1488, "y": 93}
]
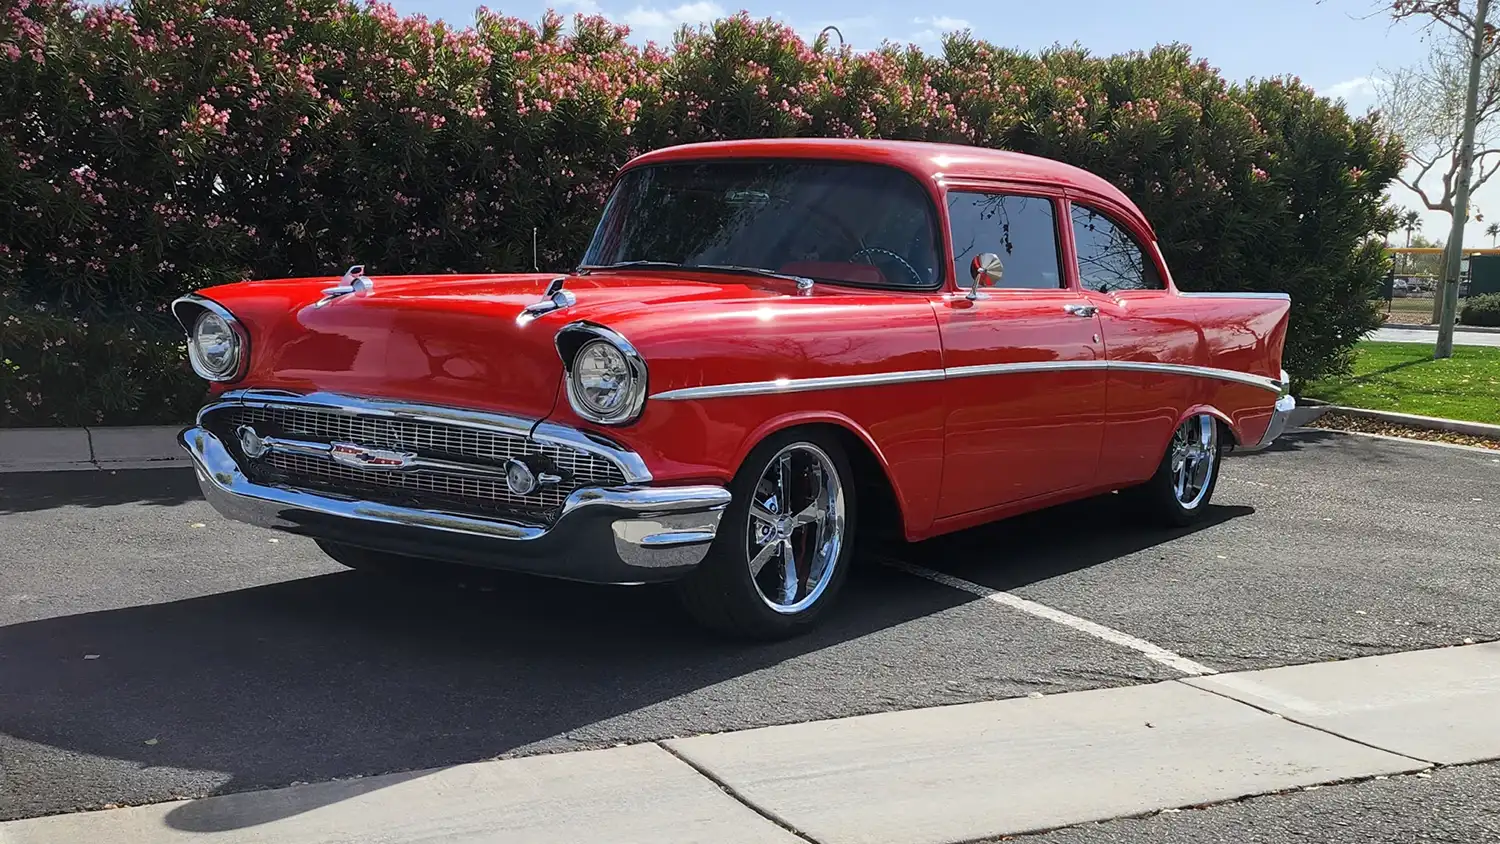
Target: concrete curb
[
  {"x": 74, "y": 449},
  {"x": 1409, "y": 326},
  {"x": 922, "y": 776},
  {"x": 1428, "y": 423}
]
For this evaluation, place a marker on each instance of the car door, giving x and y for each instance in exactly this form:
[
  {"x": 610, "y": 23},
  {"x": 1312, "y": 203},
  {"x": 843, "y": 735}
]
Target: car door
[
  {"x": 1025, "y": 382},
  {"x": 1147, "y": 329}
]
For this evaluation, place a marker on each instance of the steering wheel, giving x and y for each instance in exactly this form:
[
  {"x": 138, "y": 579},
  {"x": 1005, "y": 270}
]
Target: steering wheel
[{"x": 916, "y": 277}]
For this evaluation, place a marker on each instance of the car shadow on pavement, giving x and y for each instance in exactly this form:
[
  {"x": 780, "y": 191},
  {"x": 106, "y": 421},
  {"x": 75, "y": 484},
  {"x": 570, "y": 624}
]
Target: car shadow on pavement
[
  {"x": 26, "y": 492},
  {"x": 1295, "y": 439},
  {"x": 343, "y": 675},
  {"x": 346, "y": 674},
  {"x": 1049, "y": 543}
]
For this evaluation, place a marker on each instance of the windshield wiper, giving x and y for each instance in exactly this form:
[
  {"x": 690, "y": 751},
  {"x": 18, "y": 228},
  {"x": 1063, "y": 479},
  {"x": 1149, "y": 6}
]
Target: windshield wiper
[
  {"x": 621, "y": 265},
  {"x": 802, "y": 281},
  {"x": 764, "y": 273}
]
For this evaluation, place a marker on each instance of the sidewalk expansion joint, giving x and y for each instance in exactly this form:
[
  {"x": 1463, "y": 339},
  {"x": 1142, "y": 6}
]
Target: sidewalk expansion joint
[
  {"x": 1428, "y": 762},
  {"x": 729, "y": 790}
]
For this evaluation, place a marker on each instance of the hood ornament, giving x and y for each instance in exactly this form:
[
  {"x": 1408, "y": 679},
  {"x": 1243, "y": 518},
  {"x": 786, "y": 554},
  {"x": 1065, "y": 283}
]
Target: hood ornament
[
  {"x": 556, "y": 298},
  {"x": 354, "y": 281}
]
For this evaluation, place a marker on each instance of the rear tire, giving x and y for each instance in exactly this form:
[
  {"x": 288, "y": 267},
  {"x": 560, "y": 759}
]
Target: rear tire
[
  {"x": 784, "y": 544},
  {"x": 1179, "y": 493}
]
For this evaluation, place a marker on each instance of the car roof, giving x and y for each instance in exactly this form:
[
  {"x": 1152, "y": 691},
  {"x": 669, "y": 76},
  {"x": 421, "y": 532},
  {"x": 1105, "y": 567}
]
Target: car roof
[{"x": 927, "y": 161}]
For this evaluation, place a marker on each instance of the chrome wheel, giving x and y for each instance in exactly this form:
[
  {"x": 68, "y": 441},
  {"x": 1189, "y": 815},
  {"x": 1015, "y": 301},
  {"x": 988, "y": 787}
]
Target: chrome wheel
[
  {"x": 1195, "y": 455},
  {"x": 796, "y": 528}
]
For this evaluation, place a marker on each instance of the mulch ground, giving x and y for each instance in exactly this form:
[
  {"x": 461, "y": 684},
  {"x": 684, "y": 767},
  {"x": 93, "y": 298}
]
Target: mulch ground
[{"x": 1334, "y": 421}]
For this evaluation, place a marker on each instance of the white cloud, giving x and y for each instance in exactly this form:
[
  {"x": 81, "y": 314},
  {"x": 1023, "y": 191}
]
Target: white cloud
[
  {"x": 659, "y": 24},
  {"x": 1360, "y": 90},
  {"x": 944, "y": 23},
  {"x": 936, "y": 27}
]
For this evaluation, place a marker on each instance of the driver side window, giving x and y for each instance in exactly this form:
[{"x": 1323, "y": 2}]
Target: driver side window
[{"x": 1021, "y": 230}]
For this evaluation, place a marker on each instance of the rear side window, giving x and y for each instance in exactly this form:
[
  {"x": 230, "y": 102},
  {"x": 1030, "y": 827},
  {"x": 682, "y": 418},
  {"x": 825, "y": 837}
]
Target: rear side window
[
  {"x": 1022, "y": 230},
  {"x": 1109, "y": 258}
]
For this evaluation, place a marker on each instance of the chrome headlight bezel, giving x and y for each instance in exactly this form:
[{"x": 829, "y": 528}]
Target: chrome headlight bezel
[
  {"x": 191, "y": 312},
  {"x": 571, "y": 340}
]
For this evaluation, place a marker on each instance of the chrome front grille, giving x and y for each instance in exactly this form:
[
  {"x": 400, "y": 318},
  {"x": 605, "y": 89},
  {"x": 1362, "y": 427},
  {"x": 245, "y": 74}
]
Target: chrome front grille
[{"x": 483, "y": 493}]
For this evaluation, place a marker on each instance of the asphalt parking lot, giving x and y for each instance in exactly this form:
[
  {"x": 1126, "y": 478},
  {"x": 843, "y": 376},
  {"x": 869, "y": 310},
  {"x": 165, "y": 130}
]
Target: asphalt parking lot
[{"x": 151, "y": 650}]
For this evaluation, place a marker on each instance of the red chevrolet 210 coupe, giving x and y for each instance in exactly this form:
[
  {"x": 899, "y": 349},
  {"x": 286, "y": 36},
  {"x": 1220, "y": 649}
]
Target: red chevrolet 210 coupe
[{"x": 768, "y": 346}]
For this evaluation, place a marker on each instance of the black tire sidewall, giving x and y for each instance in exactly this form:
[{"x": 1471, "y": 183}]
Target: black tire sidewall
[
  {"x": 1162, "y": 492},
  {"x": 733, "y": 602}
]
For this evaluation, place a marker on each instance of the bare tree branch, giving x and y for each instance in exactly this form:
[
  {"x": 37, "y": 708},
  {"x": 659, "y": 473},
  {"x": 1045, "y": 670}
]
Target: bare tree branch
[
  {"x": 1424, "y": 106},
  {"x": 1484, "y": 175}
]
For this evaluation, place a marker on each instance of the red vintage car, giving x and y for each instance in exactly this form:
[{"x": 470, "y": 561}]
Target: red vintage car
[{"x": 768, "y": 346}]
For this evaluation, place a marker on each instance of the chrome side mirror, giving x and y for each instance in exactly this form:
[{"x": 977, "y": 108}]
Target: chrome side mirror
[{"x": 987, "y": 269}]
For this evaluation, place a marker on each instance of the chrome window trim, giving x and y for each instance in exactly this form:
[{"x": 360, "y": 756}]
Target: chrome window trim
[
  {"x": 242, "y": 365},
  {"x": 630, "y": 464},
  {"x": 797, "y": 385},
  {"x": 635, "y": 400}
]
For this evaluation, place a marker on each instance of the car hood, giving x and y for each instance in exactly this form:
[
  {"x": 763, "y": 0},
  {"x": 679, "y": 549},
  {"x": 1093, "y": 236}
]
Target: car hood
[{"x": 449, "y": 340}]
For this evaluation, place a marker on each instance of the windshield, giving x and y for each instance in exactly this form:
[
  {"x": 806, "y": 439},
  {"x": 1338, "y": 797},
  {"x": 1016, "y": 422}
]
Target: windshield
[{"x": 847, "y": 223}]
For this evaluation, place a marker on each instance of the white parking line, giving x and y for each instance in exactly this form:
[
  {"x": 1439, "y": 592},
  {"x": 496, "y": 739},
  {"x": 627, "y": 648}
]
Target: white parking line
[{"x": 1155, "y": 653}]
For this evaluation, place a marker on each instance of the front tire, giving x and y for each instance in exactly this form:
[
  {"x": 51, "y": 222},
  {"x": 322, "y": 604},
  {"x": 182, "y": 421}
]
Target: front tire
[
  {"x": 784, "y": 544},
  {"x": 1179, "y": 492}
]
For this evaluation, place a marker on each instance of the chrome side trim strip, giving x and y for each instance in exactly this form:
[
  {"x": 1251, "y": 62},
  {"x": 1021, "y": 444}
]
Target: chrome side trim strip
[
  {"x": 630, "y": 463},
  {"x": 800, "y": 385},
  {"x": 1200, "y": 371},
  {"x": 1009, "y": 368},
  {"x": 1247, "y": 294},
  {"x": 796, "y": 385}
]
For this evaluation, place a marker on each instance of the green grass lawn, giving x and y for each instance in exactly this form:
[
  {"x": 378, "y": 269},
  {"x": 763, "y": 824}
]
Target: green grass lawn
[{"x": 1403, "y": 377}]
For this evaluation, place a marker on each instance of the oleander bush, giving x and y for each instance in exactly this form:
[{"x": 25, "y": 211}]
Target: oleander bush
[
  {"x": 152, "y": 148},
  {"x": 1481, "y": 310}
]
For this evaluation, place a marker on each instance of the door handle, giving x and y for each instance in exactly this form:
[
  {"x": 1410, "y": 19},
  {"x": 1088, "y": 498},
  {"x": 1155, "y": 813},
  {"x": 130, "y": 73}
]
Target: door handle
[{"x": 1081, "y": 310}]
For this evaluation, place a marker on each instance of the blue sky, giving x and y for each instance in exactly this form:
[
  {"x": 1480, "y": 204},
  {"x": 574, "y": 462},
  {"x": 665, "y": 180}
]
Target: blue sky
[{"x": 1337, "y": 46}]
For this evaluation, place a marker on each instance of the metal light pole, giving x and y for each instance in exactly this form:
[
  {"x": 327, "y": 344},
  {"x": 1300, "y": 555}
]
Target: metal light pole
[{"x": 1461, "y": 192}]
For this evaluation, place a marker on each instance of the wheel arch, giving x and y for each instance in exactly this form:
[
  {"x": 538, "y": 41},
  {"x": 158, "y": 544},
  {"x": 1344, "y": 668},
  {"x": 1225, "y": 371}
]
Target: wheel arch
[
  {"x": 881, "y": 502},
  {"x": 1226, "y": 424}
]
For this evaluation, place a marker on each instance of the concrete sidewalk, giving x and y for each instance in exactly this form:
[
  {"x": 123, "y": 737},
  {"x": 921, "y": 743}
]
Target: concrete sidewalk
[
  {"x": 1463, "y": 336},
  {"x": 104, "y": 447},
  {"x": 943, "y": 774}
]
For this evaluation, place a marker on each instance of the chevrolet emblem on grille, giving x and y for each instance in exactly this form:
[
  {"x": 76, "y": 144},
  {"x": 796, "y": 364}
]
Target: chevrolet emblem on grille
[{"x": 360, "y": 457}]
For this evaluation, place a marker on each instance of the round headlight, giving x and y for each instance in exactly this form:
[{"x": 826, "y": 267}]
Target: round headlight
[
  {"x": 601, "y": 379},
  {"x": 214, "y": 347}
]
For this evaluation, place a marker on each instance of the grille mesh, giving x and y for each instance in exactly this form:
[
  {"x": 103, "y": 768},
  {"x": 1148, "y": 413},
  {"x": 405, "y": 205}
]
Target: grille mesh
[{"x": 478, "y": 494}]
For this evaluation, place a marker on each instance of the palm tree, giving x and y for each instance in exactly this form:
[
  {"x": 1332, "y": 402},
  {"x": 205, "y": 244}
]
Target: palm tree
[
  {"x": 1410, "y": 221},
  {"x": 1494, "y": 232}
]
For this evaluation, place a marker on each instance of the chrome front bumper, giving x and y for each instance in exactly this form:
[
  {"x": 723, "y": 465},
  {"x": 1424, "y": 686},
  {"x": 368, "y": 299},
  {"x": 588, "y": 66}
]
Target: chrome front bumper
[{"x": 628, "y": 534}]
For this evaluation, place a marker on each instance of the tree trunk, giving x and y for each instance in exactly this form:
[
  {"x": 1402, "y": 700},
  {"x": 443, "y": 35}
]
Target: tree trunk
[{"x": 1449, "y": 298}]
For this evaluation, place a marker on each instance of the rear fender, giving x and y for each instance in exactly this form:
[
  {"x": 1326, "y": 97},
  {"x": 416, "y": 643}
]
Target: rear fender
[{"x": 1234, "y": 430}]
